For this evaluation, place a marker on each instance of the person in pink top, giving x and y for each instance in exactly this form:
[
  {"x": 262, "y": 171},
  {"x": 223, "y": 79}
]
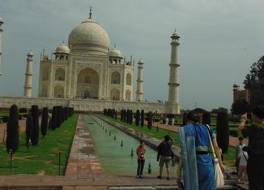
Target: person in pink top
[{"x": 141, "y": 159}]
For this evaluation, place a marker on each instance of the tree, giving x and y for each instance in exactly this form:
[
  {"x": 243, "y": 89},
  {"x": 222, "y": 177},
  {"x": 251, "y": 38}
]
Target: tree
[
  {"x": 35, "y": 128},
  {"x": 206, "y": 118},
  {"x": 54, "y": 118},
  {"x": 240, "y": 107},
  {"x": 137, "y": 118},
  {"x": 220, "y": 109},
  {"x": 44, "y": 121},
  {"x": 142, "y": 118},
  {"x": 184, "y": 118},
  {"x": 29, "y": 126},
  {"x": 12, "y": 139},
  {"x": 254, "y": 82},
  {"x": 149, "y": 119},
  {"x": 222, "y": 131}
]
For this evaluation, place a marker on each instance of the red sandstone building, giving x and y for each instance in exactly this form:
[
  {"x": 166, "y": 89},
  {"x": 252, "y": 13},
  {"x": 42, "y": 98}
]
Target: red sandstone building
[{"x": 240, "y": 94}]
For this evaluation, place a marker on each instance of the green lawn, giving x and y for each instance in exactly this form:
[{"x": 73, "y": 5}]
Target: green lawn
[
  {"x": 43, "y": 158},
  {"x": 159, "y": 134}
]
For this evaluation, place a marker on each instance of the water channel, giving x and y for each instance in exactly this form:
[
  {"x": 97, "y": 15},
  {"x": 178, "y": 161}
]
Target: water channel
[{"x": 116, "y": 150}]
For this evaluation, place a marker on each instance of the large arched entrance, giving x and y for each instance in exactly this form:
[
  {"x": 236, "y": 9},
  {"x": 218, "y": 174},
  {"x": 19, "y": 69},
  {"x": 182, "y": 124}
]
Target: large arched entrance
[
  {"x": 88, "y": 84},
  {"x": 59, "y": 92}
]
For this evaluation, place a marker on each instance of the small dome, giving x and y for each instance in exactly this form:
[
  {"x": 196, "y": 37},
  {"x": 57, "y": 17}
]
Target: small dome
[
  {"x": 115, "y": 53},
  {"x": 174, "y": 35},
  {"x": 30, "y": 54},
  {"x": 140, "y": 62},
  {"x": 235, "y": 86},
  {"x": 62, "y": 48},
  {"x": 89, "y": 36}
]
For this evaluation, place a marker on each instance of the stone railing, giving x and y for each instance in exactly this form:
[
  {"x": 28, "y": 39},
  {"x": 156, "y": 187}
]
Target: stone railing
[{"x": 85, "y": 105}]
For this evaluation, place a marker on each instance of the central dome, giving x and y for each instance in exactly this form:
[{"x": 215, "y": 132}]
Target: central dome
[{"x": 89, "y": 36}]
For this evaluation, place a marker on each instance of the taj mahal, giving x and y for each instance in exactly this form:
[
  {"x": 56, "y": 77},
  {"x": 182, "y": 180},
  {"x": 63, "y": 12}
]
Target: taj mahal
[{"x": 88, "y": 69}]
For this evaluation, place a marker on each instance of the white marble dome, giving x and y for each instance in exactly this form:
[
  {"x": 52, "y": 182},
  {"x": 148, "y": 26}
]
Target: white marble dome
[
  {"x": 115, "y": 53},
  {"x": 62, "y": 48},
  {"x": 89, "y": 36}
]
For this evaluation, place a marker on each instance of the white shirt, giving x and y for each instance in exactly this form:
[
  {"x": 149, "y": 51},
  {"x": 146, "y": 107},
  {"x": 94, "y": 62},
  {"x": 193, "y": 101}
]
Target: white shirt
[{"x": 243, "y": 158}]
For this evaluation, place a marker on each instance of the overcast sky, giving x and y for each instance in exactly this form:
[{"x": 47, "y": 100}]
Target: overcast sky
[{"x": 219, "y": 41}]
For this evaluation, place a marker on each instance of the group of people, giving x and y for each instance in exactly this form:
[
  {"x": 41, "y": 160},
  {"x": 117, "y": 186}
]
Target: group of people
[
  {"x": 250, "y": 159},
  {"x": 165, "y": 157}
]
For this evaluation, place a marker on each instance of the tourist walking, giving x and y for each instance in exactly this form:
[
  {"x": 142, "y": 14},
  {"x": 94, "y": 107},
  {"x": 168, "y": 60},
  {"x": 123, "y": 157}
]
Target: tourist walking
[
  {"x": 239, "y": 148},
  {"x": 195, "y": 146},
  {"x": 242, "y": 171},
  {"x": 255, "y": 134},
  {"x": 140, "y": 159},
  {"x": 165, "y": 156}
]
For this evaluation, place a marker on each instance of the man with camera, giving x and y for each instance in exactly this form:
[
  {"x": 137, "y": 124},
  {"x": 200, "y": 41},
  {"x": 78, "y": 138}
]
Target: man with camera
[{"x": 255, "y": 134}]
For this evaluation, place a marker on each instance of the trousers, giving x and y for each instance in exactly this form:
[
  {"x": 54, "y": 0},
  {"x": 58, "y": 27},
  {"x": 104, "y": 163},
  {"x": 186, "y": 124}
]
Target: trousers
[{"x": 140, "y": 167}]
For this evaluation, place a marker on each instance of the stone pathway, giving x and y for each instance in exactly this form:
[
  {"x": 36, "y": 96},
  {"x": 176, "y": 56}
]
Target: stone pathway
[
  {"x": 82, "y": 161},
  {"x": 83, "y": 165}
]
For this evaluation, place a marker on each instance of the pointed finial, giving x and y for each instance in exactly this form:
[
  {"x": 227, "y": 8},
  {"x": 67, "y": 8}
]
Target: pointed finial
[{"x": 90, "y": 14}]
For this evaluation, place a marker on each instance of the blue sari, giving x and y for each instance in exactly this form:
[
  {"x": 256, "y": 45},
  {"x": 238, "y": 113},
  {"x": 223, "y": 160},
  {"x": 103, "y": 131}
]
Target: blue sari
[{"x": 205, "y": 168}]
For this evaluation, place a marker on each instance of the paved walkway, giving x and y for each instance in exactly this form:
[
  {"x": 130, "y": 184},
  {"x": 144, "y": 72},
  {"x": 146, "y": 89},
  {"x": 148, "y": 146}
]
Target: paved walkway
[
  {"x": 82, "y": 161},
  {"x": 83, "y": 165}
]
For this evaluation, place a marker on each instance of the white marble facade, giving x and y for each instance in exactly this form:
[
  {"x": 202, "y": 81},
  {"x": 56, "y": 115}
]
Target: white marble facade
[{"x": 88, "y": 68}]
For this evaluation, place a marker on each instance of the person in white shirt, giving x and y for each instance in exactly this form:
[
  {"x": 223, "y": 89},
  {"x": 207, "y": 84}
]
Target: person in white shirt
[
  {"x": 242, "y": 172},
  {"x": 239, "y": 148}
]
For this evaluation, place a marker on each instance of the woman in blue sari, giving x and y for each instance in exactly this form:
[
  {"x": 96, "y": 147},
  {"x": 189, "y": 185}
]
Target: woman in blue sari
[{"x": 205, "y": 168}]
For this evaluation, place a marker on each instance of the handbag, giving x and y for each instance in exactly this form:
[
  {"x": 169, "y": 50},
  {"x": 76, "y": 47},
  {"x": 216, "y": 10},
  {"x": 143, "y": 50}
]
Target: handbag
[{"x": 219, "y": 176}]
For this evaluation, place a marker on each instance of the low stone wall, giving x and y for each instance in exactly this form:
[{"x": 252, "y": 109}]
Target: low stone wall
[
  {"x": 84, "y": 105},
  {"x": 152, "y": 143}
]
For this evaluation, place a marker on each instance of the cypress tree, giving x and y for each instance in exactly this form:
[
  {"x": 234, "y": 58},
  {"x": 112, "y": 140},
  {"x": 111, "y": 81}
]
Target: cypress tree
[
  {"x": 60, "y": 115},
  {"x": 35, "y": 129},
  {"x": 149, "y": 118},
  {"x": 206, "y": 118},
  {"x": 44, "y": 121},
  {"x": 222, "y": 131},
  {"x": 29, "y": 126},
  {"x": 137, "y": 118},
  {"x": 131, "y": 117},
  {"x": 12, "y": 138},
  {"x": 184, "y": 118},
  {"x": 54, "y": 119},
  {"x": 142, "y": 118}
]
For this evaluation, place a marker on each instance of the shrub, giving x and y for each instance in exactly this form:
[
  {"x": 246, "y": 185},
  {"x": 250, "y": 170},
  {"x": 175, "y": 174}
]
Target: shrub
[
  {"x": 12, "y": 139},
  {"x": 54, "y": 118},
  {"x": 35, "y": 128},
  {"x": 206, "y": 118},
  {"x": 44, "y": 121},
  {"x": 142, "y": 118},
  {"x": 29, "y": 126},
  {"x": 240, "y": 107},
  {"x": 222, "y": 131},
  {"x": 184, "y": 118},
  {"x": 137, "y": 118},
  {"x": 149, "y": 118}
]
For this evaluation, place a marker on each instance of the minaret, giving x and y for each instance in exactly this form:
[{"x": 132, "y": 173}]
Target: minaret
[
  {"x": 1, "y": 33},
  {"x": 140, "y": 81},
  {"x": 173, "y": 97},
  {"x": 28, "y": 75}
]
